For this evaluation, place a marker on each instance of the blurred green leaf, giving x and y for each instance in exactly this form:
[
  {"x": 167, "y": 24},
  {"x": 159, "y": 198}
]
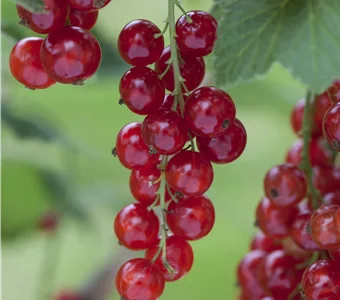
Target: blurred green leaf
[
  {"x": 36, "y": 6},
  {"x": 303, "y": 35}
]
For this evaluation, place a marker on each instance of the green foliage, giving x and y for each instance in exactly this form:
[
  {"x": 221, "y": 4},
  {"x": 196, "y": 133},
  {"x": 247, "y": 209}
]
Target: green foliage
[
  {"x": 37, "y": 6},
  {"x": 302, "y": 35}
]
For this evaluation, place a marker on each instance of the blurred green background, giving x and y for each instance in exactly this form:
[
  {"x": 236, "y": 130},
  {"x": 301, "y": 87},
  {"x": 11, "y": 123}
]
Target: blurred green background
[{"x": 56, "y": 146}]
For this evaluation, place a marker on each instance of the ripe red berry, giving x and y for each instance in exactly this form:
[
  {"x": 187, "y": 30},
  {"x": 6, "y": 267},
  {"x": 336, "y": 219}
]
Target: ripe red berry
[
  {"x": 52, "y": 19},
  {"x": 131, "y": 149},
  {"x": 68, "y": 295},
  {"x": 337, "y": 221},
  {"x": 292, "y": 249},
  {"x": 285, "y": 185},
  {"x": 335, "y": 254},
  {"x": 323, "y": 227},
  {"x": 198, "y": 37},
  {"x": 321, "y": 280},
  {"x": 332, "y": 198},
  {"x": 331, "y": 126},
  {"x": 265, "y": 243},
  {"x": 334, "y": 91},
  {"x": 209, "y": 111},
  {"x": 83, "y": 19},
  {"x": 274, "y": 221},
  {"x": 326, "y": 179},
  {"x": 70, "y": 55},
  {"x": 192, "y": 70},
  {"x": 169, "y": 101},
  {"x": 49, "y": 221},
  {"x": 165, "y": 131},
  {"x": 136, "y": 227},
  {"x": 192, "y": 218},
  {"x": 140, "y": 279},
  {"x": 25, "y": 64},
  {"x": 226, "y": 147},
  {"x": 179, "y": 255},
  {"x": 141, "y": 90},
  {"x": 322, "y": 104},
  {"x": 189, "y": 173},
  {"x": 88, "y": 4},
  {"x": 138, "y": 45}
]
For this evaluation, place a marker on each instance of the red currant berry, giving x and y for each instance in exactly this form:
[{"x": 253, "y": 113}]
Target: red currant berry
[
  {"x": 165, "y": 131},
  {"x": 83, "y": 19},
  {"x": 209, "y": 111},
  {"x": 141, "y": 90},
  {"x": 138, "y": 44},
  {"x": 337, "y": 221},
  {"x": 68, "y": 295},
  {"x": 285, "y": 185},
  {"x": 131, "y": 149},
  {"x": 292, "y": 249},
  {"x": 196, "y": 38},
  {"x": 169, "y": 101},
  {"x": 189, "y": 173},
  {"x": 140, "y": 279},
  {"x": 70, "y": 55},
  {"x": 322, "y": 104},
  {"x": 192, "y": 70},
  {"x": 274, "y": 221},
  {"x": 335, "y": 254},
  {"x": 25, "y": 64},
  {"x": 331, "y": 126},
  {"x": 192, "y": 218},
  {"x": 52, "y": 19},
  {"x": 323, "y": 227},
  {"x": 326, "y": 180},
  {"x": 226, "y": 147},
  {"x": 265, "y": 243},
  {"x": 334, "y": 91},
  {"x": 179, "y": 255},
  {"x": 332, "y": 198},
  {"x": 136, "y": 227},
  {"x": 88, "y": 4},
  {"x": 49, "y": 221},
  {"x": 321, "y": 280}
]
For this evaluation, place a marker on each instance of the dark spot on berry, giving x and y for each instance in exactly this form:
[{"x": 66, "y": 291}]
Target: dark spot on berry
[
  {"x": 336, "y": 145},
  {"x": 273, "y": 193},
  {"x": 121, "y": 101},
  {"x": 114, "y": 152},
  {"x": 256, "y": 223},
  {"x": 225, "y": 123},
  {"x": 152, "y": 150}
]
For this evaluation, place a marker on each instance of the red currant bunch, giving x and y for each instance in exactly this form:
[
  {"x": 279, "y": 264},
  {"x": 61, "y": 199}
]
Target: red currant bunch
[{"x": 166, "y": 169}]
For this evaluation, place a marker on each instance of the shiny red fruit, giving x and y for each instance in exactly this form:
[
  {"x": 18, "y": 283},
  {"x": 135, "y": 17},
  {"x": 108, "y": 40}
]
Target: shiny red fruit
[
  {"x": 192, "y": 218},
  {"x": 52, "y": 19},
  {"x": 226, "y": 147},
  {"x": 198, "y": 37},
  {"x": 169, "y": 101},
  {"x": 209, "y": 111},
  {"x": 285, "y": 185},
  {"x": 131, "y": 149},
  {"x": 323, "y": 227},
  {"x": 136, "y": 227},
  {"x": 88, "y": 4},
  {"x": 332, "y": 198},
  {"x": 138, "y": 45},
  {"x": 321, "y": 280},
  {"x": 334, "y": 91},
  {"x": 25, "y": 64},
  {"x": 139, "y": 279},
  {"x": 189, "y": 173},
  {"x": 192, "y": 70},
  {"x": 141, "y": 90},
  {"x": 179, "y": 255},
  {"x": 83, "y": 19},
  {"x": 335, "y": 254},
  {"x": 293, "y": 249},
  {"x": 337, "y": 221},
  {"x": 331, "y": 126},
  {"x": 274, "y": 221},
  {"x": 165, "y": 131},
  {"x": 265, "y": 243},
  {"x": 70, "y": 55},
  {"x": 326, "y": 179}
]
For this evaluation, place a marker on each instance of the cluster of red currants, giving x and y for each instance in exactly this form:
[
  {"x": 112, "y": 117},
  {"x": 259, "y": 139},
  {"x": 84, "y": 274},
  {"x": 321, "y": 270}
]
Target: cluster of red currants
[
  {"x": 69, "y": 53},
  {"x": 165, "y": 170},
  {"x": 298, "y": 245}
]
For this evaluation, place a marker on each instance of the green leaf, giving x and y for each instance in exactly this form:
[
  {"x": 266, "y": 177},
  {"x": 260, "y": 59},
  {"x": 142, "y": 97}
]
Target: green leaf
[
  {"x": 36, "y": 6},
  {"x": 303, "y": 35}
]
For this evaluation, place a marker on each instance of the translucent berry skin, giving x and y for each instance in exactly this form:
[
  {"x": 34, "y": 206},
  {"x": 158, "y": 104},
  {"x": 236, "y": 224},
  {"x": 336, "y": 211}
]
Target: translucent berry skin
[
  {"x": 137, "y": 44},
  {"x": 326, "y": 179},
  {"x": 274, "y": 221},
  {"x": 52, "y": 19},
  {"x": 209, "y": 111},
  {"x": 141, "y": 90},
  {"x": 331, "y": 126},
  {"x": 25, "y": 64},
  {"x": 179, "y": 255},
  {"x": 335, "y": 254},
  {"x": 337, "y": 222},
  {"x": 265, "y": 243},
  {"x": 323, "y": 227},
  {"x": 248, "y": 274},
  {"x": 189, "y": 173},
  {"x": 70, "y": 55},
  {"x": 285, "y": 185},
  {"x": 293, "y": 249},
  {"x": 140, "y": 279},
  {"x": 334, "y": 91},
  {"x": 225, "y": 148},
  {"x": 83, "y": 19},
  {"x": 332, "y": 198},
  {"x": 165, "y": 131},
  {"x": 88, "y": 4},
  {"x": 136, "y": 227},
  {"x": 169, "y": 101},
  {"x": 192, "y": 70},
  {"x": 198, "y": 37},
  {"x": 131, "y": 149},
  {"x": 321, "y": 280},
  {"x": 192, "y": 218}
]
